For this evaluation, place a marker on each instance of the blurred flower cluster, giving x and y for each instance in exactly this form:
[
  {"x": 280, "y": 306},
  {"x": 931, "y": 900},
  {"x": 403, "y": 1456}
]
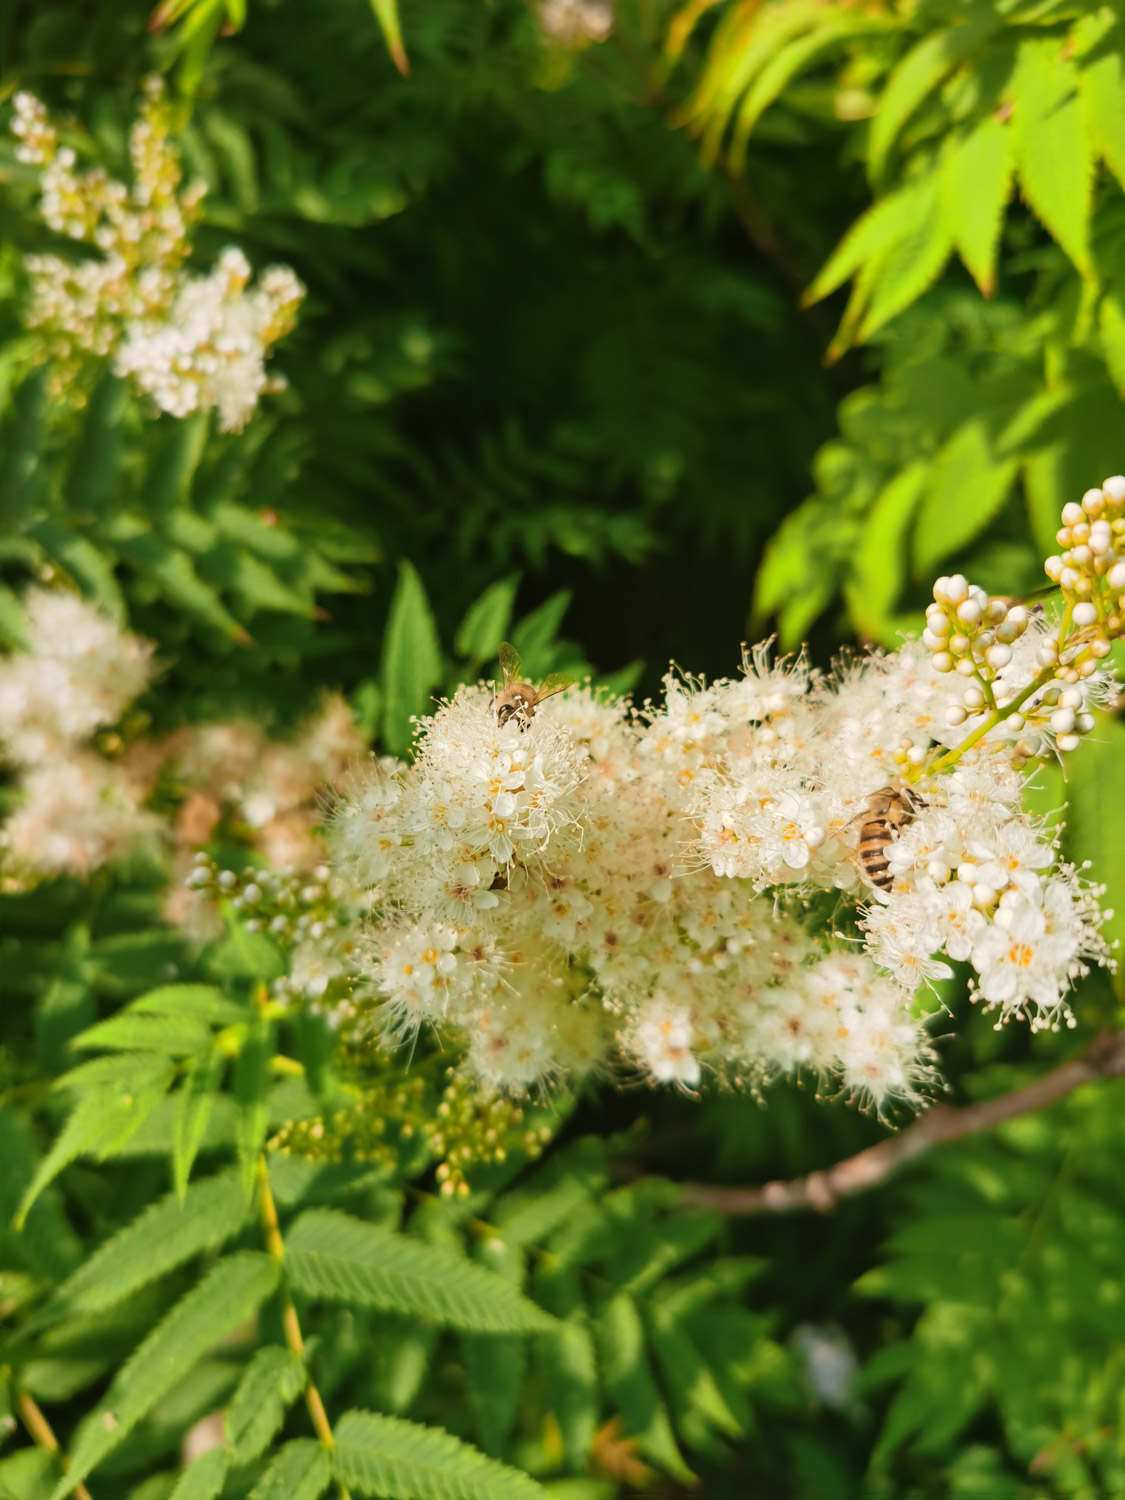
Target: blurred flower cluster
[
  {"x": 190, "y": 342},
  {"x": 86, "y": 793}
]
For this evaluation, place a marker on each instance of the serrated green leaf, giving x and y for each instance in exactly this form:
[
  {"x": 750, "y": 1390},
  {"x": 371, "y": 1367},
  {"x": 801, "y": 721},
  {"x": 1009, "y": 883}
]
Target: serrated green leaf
[
  {"x": 28, "y": 1475},
  {"x": 245, "y": 955},
  {"x": 233, "y": 1290},
  {"x": 968, "y": 485},
  {"x": 915, "y": 78},
  {"x": 84, "y": 561},
  {"x": 174, "y": 572},
  {"x": 170, "y": 479},
  {"x": 404, "y": 1350},
  {"x": 93, "y": 471},
  {"x": 879, "y": 561},
  {"x": 485, "y": 622},
  {"x": 786, "y": 63},
  {"x": 889, "y": 284},
  {"x": 569, "y": 1370},
  {"x": 251, "y": 1096},
  {"x": 1095, "y": 821},
  {"x": 102, "y": 1119},
  {"x": 688, "y": 1377},
  {"x": 194, "y": 1102},
  {"x": 1053, "y": 155},
  {"x": 535, "y": 636},
  {"x": 876, "y": 230},
  {"x": 398, "y": 1460},
  {"x": 271, "y": 1382},
  {"x": 330, "y": 1254},
  {"x": 1111, "y": 331},
  {"x": 178, "y": 1036},
  {"x": 300, "y": 1471},
  {"x": 630, "y": 1386},
  {"x": 164, "y": 1236},
  {"x": 1101, "y": 86},
  {"x": 411, "y": 663},
  {"x": 203, "y": 1478},
  {"x": 976, "y": 178}
]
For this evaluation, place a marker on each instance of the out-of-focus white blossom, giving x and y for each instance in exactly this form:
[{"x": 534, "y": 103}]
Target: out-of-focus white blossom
[
  {"x": 80, "y": 671},
  {"x": 76, "y": 813},
  {"x": 576, "y": 23},
  {"x": 191, "y": 342}
]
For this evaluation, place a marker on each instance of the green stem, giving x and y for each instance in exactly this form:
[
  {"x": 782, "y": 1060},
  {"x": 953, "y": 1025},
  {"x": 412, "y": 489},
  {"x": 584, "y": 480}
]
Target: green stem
[
  {"x": 271, "y": 1229},
  {"x": 41, "y": 1431},
  {"x": 951, "y": 757}
]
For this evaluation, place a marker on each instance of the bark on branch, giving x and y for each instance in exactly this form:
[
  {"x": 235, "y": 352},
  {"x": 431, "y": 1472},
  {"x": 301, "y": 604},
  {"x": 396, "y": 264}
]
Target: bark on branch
[{"x": 1104, "y": 1058}]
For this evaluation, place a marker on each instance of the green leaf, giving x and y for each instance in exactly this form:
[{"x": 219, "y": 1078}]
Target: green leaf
[
  {"x": 178, "y": 1036},
  {"x": 897, "y": 278},
  {"x": 271, "y": 1382},
  {"x": 1053, "y": 155},
  {"x": 879, "y": 561},
  {"x": 28, "y": 1475},
  {"x": 173, "y": 571},
  {"x": 330, "y": 1254},
  {"x": 569, "y": 1369},
  {"x": 630, "y": 1385},
  {"x": 535, "y": 636},
  {"x": 165, "y": 1235},
  {"x": 251, "y": 1096},
  {"x": 786, "y": 63},
  {"x": 386, "y": 13},
  {"x": 916, "y": 77},
  {"x": 1101, "y": 84},
  {"x": 232, "y": 1290},
  {"x": 399, "y": 1460},
  {"x": 485, "y": 623},
  {"x": 194, "y": 1101},
  {"x": 404, "y": 1348},
  {"x": 245, "y": 955},
  {"x": 876, "y": 230},
  {"x": 411, "y": 663},
  {"x": 1095, "y": 821},
  {"x": 976, "y": 178},
  {"x": 1111, "y": 331},
  {"x": 968, "y": 485},
  {"x": 93, "y": 472},
  {"x": 203, "y": 1479},
  {"x": 170, "y": 481},
  {"x": 103, "y": 1118},
  {"x": 300, "y": 1471}
]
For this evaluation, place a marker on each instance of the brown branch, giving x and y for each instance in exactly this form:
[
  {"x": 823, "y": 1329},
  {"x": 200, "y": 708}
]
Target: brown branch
[{"x": 1104, "y": 1058}]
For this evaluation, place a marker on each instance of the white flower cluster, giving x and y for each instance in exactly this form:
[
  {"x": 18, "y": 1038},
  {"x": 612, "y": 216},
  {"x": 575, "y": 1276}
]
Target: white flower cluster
[
  {"x": 716, "y": 884},
  {"x": 78, "y": 674},
  {"x": 192, "y": 343}
]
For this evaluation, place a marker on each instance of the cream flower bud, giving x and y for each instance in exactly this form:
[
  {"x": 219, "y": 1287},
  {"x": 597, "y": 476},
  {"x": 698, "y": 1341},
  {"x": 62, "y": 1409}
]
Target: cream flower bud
[
  {"x": 998, "y": 656},
  {"x": 968, "y": 611},
  {"x": 1116, "y": 577},
  {"x": 1093, "y": 502},
  {"x": 1114, "y": 486},
  {"x": 1068, "y": 742},
  {"x": 943, "y": 662},
  {"x": 1084, "y": 614},
  {"x": 1062, "y": 720},
  {"x": 1072, "y": 513}
]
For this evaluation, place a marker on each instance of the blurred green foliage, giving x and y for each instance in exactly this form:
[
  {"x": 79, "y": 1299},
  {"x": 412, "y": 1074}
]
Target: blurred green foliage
[{"x": 555, "y": 383}]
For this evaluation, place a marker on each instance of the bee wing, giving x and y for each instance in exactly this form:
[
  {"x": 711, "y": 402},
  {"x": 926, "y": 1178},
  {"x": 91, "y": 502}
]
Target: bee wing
[
  {"x": 509, "y": 660},
  {"x": 555, "y": 683}
]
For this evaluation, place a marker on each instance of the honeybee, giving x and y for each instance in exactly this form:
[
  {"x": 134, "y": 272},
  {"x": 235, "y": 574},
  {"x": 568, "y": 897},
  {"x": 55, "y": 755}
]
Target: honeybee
[
  {"x": 520, "y": 698},
  {"x": 885, "y": 814}
]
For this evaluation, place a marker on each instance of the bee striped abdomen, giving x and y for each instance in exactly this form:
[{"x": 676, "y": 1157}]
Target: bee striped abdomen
[{"x": 887, "y": 813}]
